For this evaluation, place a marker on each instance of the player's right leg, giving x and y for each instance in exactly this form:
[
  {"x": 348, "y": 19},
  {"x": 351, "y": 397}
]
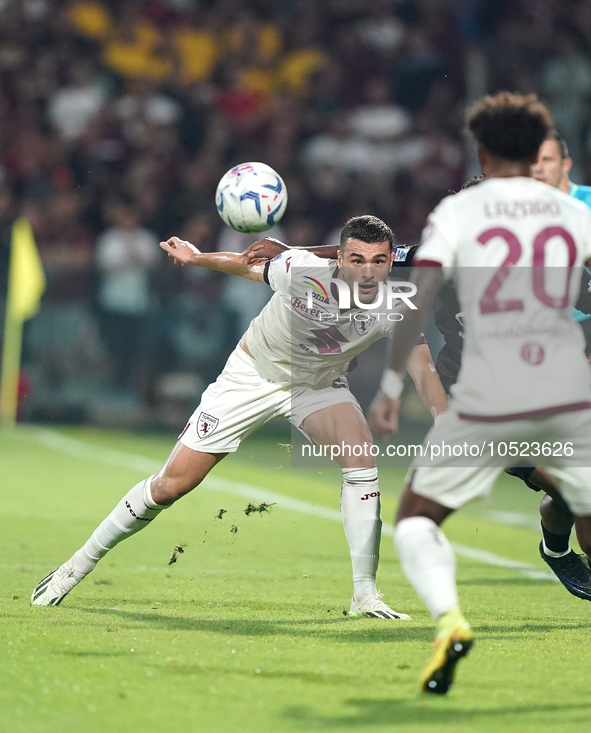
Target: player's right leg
[
  {"x": 343, "y": 425},
  {"x": 182, "y": 472}
]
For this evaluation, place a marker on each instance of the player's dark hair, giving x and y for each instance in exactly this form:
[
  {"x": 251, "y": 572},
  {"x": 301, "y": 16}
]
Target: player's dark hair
[
  {"x": 474, "y": 181},
  {"x": 510, "y": 126},
  {"x": 368, "y": 229},
  {"x": 562, "y": 146}
]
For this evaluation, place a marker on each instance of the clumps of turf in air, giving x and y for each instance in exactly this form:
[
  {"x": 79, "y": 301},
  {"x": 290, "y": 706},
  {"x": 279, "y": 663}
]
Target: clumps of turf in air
[
  {"x": 177, "y": 550},
  {"x": 258, "y": 508},
  {"x": 221, "y": 513},
  {"x": 233, "y": 529}
]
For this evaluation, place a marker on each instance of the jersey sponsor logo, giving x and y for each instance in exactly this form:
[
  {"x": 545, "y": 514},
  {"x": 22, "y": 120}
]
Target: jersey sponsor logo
[
  {"x": 206, "y": 425},
  {"x": 401, "y": 253},
  {"x": 318, "y": 290},
  {"x": 363, "y": 323},
  {"x": 312, "y": 312},
  {"x": 278, "y": 257},
  {"x": 533, "y": 353}
]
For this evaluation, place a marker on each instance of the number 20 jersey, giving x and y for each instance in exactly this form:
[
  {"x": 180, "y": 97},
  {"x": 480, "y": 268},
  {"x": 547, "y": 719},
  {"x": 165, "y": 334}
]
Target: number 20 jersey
[
  {"x": 293, "y": 342},
  {"x": 515, "y": 248}
]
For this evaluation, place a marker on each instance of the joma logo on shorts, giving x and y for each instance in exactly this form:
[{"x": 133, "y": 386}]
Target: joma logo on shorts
[{"x": 370, "y": 496}]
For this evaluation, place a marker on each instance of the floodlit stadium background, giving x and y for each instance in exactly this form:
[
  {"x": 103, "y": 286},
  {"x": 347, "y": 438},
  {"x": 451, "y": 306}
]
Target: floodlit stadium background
[{"x": 125, "y": 115}]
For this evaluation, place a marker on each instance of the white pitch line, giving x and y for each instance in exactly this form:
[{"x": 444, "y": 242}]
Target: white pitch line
[{"x": 79, "y": 449}]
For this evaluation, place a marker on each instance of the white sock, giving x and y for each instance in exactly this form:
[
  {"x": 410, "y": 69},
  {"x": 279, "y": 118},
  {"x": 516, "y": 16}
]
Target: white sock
[
  {"x": 134, "y": 512},
  {"x": 428, "y": 562},
  {"x": 360, "y": 512}
]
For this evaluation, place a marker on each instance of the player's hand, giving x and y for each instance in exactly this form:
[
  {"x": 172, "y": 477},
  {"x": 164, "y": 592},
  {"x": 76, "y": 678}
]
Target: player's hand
[
  {"x": 382, "y": 416},
  {"x": 181, "y": 251},
  {"x": 264, "y": 249}
]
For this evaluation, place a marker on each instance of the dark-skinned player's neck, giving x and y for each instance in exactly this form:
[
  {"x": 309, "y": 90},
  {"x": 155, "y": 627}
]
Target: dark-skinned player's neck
[
  {"x": 493, "y": 167},
  {"x": 506, "y": 169}
]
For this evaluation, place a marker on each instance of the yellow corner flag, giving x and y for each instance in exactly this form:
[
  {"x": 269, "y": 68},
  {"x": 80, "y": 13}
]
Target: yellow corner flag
[{"x": 26, "y": 283}]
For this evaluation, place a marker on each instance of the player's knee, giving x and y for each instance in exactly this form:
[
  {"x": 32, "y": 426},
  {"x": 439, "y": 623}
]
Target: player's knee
[
  {"x": 554, "y": 508},
  {"x": 166, "y": 490}
]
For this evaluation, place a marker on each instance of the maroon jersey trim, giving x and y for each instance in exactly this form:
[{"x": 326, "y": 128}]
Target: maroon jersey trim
[{"x": 426, "y": 263}]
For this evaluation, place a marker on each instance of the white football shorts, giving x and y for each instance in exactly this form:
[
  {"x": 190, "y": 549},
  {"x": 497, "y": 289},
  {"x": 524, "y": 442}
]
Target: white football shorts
[
  {"x": 240, "y": 401},
  {"x": 454, "y": 481}
]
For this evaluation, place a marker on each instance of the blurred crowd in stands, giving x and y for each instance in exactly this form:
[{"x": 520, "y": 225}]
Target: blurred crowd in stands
[{"x": 118, "y": 117}]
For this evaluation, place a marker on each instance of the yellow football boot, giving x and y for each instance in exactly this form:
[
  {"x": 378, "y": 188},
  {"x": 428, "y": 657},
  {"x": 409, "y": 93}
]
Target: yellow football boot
[{"x": 453, "y": 641}]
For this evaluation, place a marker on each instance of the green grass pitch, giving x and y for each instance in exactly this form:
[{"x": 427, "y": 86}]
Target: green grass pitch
[{"x": 246, "y": 632}]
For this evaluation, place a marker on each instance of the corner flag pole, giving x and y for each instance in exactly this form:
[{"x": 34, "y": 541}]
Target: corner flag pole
[{"x": 26, "y": 283}]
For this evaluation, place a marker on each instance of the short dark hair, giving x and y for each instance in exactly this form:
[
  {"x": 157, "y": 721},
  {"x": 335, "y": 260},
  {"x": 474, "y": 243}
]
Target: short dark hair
[
  {"x": 562, "y": 146},
  {"x": 474, "y": 181},
  {"x": 510, "y": 126},
  {"x": 366, "y": 228}
]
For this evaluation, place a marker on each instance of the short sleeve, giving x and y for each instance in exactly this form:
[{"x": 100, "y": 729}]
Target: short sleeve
[
  {"x": 279, "y": 270},
  {"x": 277, "y": 273},
  {"x": 439, "y": 244}
]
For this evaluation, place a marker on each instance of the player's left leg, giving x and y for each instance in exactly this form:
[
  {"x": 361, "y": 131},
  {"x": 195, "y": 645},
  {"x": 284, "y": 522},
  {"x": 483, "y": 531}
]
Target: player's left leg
[
  {"x": 344, "y": 425},
  {"x": 429, "y": 564},
  {"x": 184, "y": 470}
]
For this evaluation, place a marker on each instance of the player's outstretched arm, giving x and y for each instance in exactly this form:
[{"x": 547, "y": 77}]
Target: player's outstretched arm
[
  {"x": 229, "y": 262},
  {"x": 423, "y": 373},
  {"x": 268, "y": 248}
]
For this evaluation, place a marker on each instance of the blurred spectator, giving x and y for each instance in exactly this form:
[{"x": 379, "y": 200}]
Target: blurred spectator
[
  {"x": 378, "y": 118},
  {"x": 126, "y": 256},
  {"x": 244, "y": 298},
  {"x": 134, "y": 48},
  {"x": 7, "y": 216},
  {"x": 73, "y": 106}
]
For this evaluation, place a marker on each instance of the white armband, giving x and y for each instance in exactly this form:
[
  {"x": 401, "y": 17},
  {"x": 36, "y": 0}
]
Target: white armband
[{"x": 392, "y": 384}]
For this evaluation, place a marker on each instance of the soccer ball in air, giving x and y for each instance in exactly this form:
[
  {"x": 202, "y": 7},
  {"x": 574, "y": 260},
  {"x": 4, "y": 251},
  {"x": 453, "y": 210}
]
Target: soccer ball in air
[{"x": 251, "y": 197}]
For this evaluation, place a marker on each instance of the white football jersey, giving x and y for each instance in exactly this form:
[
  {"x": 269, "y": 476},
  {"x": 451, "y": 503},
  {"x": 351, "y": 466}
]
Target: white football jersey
[
  {"x": 297, "y": 344},
  {"x": 515, "y": 248}
]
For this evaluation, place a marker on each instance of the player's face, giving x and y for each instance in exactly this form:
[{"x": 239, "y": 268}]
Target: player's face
[
  {"x": 550, "y": 166},
  {"x": 366, "y": 264}
]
